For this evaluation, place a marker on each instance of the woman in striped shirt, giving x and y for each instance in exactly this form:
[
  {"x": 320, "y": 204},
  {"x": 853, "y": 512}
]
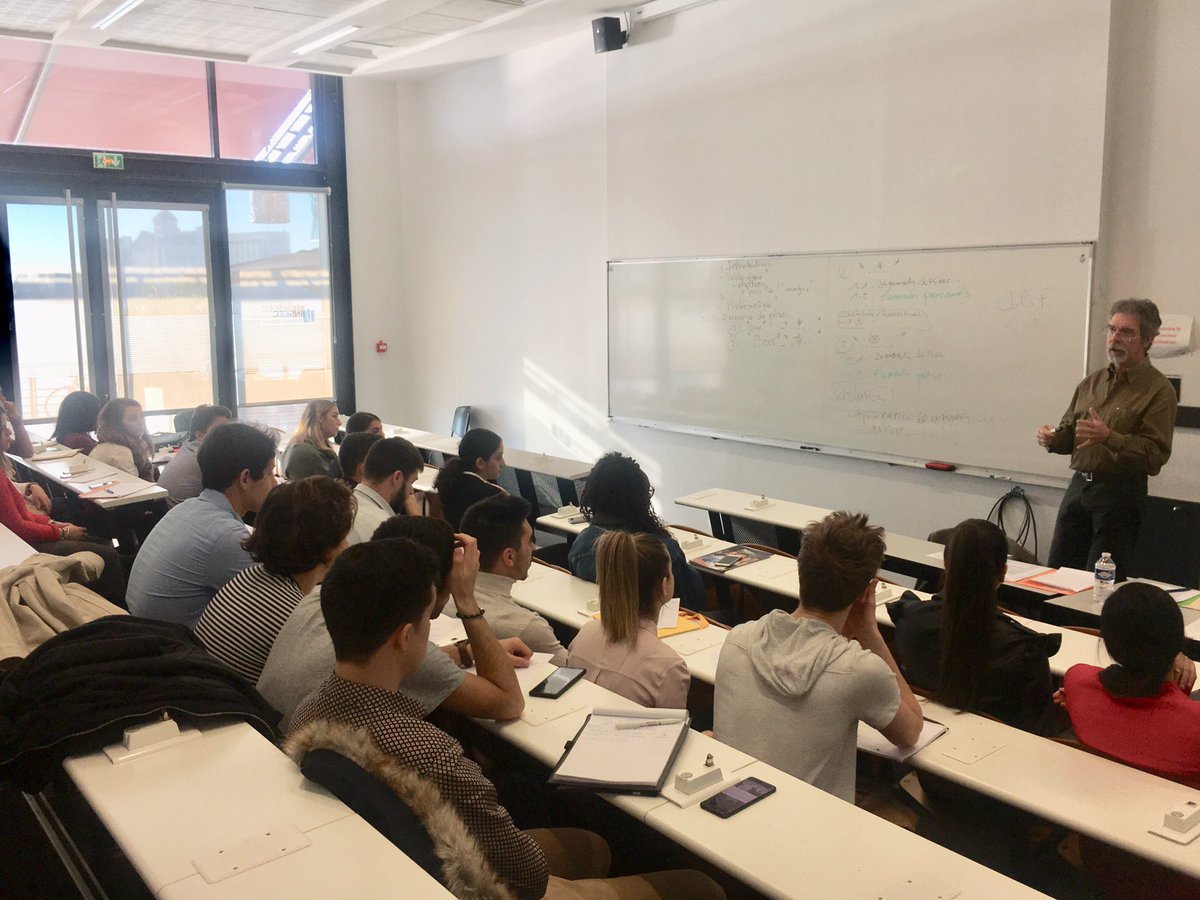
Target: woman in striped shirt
[{"x": 299, "y": 532}]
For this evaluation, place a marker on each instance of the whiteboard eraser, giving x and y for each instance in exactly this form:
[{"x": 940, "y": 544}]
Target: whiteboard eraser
[{"x": 1183, "y": 818}]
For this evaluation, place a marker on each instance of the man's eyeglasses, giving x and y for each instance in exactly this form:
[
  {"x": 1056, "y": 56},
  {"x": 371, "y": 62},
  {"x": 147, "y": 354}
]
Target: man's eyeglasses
[{"x": 1123, "y": 334}]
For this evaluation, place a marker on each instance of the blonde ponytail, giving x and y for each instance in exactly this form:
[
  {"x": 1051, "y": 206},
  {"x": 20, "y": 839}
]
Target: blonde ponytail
[{"x": 629, "y": 570}]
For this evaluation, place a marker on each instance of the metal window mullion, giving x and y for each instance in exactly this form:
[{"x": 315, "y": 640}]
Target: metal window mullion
[
  {"x": 75, "y": 283},
  {"x": 122, "y": 299}
]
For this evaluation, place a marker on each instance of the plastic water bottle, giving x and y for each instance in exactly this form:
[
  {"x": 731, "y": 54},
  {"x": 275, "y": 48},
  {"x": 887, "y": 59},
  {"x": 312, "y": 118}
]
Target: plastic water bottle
[{"x": 1106, "y": 577}]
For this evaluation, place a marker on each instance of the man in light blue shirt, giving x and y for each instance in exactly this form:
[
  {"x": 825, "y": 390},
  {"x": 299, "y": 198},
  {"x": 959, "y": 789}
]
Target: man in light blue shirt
[{"x": 197, "y": 547}]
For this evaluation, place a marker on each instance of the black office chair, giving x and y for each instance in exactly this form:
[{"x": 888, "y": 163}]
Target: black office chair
[
  {"x": 462, "y": 421},
  {"x": 375, "y": 802}
]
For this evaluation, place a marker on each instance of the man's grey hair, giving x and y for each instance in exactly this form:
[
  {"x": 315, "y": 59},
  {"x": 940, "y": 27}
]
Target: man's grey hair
[{"x": 1149, "y": 321}]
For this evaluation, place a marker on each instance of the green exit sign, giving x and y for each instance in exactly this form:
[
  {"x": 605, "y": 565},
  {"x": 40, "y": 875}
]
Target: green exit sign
[{"x": 108, "y": 160}]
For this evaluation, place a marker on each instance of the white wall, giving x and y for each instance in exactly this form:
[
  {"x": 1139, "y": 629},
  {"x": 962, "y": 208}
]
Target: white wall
[
  {"x": 1151, "y": 205},
  {"x": 487, "y": 233}
]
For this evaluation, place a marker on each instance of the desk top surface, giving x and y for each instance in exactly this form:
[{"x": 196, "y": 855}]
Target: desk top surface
[
  {"x": 542, "y": 463},
  {"x": 1112, "y": 802},
  {"x": 13, "y": 550},
  {"x": 171, "y": 806},
  {"x": 77, "y": 482}
]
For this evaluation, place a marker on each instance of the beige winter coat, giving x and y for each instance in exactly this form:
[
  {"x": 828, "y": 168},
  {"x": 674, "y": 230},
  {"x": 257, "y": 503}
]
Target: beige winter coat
[{"x": 44, "y": 596}]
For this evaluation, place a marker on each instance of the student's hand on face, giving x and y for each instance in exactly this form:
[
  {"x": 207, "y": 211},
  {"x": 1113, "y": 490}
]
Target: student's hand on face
[
  {"x": 1183, "y": 673},
  {"x": 464, "y": 569},
  {"x": 861, "y": 620},
  {"x": 518, "y": 653}
]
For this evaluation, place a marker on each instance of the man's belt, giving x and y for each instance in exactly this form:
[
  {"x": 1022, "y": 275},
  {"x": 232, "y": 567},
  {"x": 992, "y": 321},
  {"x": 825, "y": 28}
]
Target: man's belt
[{"x": 1110, "y": 476}]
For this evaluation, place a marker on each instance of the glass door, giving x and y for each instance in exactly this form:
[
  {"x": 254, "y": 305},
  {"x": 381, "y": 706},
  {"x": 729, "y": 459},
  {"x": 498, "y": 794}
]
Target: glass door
[
  {"x": 158, "y": 301},
  {"x": 50, "y": 310}
]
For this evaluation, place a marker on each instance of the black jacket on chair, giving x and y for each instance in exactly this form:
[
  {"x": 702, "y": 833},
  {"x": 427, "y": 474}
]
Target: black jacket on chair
[{"x": 81, "y": 689}]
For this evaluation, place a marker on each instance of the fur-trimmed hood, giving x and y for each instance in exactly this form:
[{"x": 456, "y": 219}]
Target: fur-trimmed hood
[{"x": 466, "y": 871}]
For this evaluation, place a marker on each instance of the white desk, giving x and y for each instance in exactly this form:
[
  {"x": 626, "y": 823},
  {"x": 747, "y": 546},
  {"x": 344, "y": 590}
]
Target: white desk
[
  {"x": 1109, "y": 801},
  {"x": 77, "y": 483},
  {"x": 13, "y": 550},
  {"x": 801, "y": 841},
  {"x": 170, "y": 807},
  {"x": 541, "y": 463},
  {"x": 797, "y": 517}
]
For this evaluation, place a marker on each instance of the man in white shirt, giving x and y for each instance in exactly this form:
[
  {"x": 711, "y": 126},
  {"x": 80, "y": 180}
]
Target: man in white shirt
[
  {"x": 388, "y": 473},
  {"x": 501, "y": 526}
]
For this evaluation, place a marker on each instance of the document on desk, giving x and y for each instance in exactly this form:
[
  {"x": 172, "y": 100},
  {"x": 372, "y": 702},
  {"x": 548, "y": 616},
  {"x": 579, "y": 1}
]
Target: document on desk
[
  {"x": 627, "y": 751},
  {"x": 445, "y": 630},
  {"x": 1019, "y": 571},
  {"x": 1065, "y": 580},
  {"x": 116, "y": 489},
  {"x": 873, "y": 742}
]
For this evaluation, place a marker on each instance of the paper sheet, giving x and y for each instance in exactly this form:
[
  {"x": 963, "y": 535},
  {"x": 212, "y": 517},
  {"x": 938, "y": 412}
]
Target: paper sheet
[
  {"x": 1066, "y": 579},
  {"x": 445, "y": 630},
  {"x": 668, "y": 616},
  {"x": 873, "y": 741},
  {"x": 1019, "y": 571}
]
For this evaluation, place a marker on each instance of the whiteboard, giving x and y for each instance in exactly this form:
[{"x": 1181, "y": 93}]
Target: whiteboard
[{"x": 953, "y": 355}]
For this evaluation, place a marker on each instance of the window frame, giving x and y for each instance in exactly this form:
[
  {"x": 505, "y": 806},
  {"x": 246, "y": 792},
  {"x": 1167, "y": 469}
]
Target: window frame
[{"x": 47, "y": 171}]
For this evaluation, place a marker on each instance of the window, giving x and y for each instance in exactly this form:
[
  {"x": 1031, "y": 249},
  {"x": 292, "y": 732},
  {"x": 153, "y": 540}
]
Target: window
[
  {"x": 50, "y": 309},
  {"x": 95, "y": 98},
  {"x": 265, "y": 114},
  {"x": 282, "y": 314},
  {"x": 159, "y": 301}
]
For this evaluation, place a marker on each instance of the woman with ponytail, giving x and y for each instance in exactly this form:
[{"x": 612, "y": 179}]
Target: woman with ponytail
[
  {"x": 1136, "y": 710},
  {"x": 470, "y": 477},
  {"x": 622, "y": 651},
  {"x": 961, "y": 648}
]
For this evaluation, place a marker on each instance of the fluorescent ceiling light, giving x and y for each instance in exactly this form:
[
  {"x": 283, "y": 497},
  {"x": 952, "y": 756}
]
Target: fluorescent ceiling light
[
  {"x": 321, "y": 41},
  {"x": 127, "y": 6}
]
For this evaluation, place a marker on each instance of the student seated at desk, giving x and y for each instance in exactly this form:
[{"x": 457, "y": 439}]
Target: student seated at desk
[
  {"x": 310, "y": 451},
  {"x": 298, "y": 533},
  {"x": 501, "y": 526},
  {"x": 622, "y": 652},
  {"x": 125, "y": 443},
  {"x": 364, "y": 423},
  {"x": 617, "y": 497},
  {"x": 961, "y": 648},
  {"x": 378, "y": 599},
  {"x": 388, "y": 473},
  {"x": 181, "y": 476},
  {"x": 1138, "y": 710},
  {"x": 470, "y": 477},
  {"x": 197, "y": 546},
  {"x": 302, "y": 656},
  {"x": 791, "y": 689},
  {"x": 76, "y": 422},
  {"x": 353, "y": 452},
  {"x": 48, "y": 535}
]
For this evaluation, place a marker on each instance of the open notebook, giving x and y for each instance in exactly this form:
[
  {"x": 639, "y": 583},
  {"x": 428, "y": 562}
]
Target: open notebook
[{"x": 623, "y": 751}]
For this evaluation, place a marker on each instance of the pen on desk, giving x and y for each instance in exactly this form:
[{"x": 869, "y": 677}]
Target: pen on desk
[
  {"x": 626, "y": 726},
  {"x": 1179, "y": 590}
]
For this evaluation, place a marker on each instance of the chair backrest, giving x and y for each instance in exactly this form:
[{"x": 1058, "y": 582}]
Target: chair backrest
[
  {"x": 462, "y": 421},
  {"x": 386, "y": 812},
  {"x": 183, "y": 421}
]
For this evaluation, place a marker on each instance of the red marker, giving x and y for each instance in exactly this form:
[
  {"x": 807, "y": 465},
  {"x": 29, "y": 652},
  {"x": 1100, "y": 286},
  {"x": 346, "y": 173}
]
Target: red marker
[{"x": 941, "y": 466}]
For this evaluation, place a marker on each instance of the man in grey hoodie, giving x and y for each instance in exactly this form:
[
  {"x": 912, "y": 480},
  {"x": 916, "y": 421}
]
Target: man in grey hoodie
[{"x": 791, "y": 689}]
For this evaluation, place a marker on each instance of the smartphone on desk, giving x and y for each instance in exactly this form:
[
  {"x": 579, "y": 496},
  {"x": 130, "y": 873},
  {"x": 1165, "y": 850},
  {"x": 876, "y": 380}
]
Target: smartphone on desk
[
  {"x": 556, "y": 684},
  {"x": 577, "y": 520},
  {"x": 733, "y": 800}
]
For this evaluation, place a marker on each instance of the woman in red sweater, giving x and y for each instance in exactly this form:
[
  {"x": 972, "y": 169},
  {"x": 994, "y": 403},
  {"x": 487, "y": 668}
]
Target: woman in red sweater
[
  {"x": 1136, "y": 711},
  {"x": 47, "y": 535}
]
